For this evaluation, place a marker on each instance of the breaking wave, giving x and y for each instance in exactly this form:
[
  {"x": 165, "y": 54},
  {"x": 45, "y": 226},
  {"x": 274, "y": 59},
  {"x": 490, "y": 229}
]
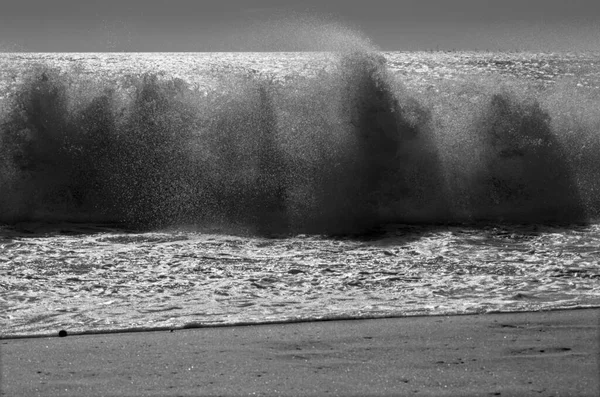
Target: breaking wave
[{"x": 344, "y": 151}]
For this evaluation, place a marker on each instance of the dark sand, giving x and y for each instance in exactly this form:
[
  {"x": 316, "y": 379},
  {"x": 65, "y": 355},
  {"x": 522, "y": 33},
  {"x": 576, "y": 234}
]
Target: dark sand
[{"x": 521, "y": 354}]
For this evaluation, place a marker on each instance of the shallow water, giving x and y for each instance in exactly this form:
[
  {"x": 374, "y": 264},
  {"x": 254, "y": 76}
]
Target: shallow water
[{"x": 94, "y": 278}]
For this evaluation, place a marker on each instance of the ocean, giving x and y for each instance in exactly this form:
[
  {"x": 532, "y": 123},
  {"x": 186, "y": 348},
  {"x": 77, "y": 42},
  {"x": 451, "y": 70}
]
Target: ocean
[{"x": 149, "y": 190}]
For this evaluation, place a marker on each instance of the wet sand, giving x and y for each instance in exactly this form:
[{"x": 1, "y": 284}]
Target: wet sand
[{"x": 517, "y": 354}]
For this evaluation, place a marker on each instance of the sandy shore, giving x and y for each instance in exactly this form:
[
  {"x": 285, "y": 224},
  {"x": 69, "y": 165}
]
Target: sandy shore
[{"x": 518, "y": 354}]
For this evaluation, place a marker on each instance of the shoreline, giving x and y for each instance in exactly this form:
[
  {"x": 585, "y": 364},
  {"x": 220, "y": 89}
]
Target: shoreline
[{"x": 200, "y": 325}]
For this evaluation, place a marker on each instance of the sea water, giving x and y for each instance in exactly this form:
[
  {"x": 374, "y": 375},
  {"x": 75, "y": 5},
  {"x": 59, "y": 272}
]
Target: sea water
[{"x": 293, "y": 157}]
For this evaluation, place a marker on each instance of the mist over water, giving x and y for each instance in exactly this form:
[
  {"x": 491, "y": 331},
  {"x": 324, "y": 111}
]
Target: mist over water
[{"x": 346, "y": 151}]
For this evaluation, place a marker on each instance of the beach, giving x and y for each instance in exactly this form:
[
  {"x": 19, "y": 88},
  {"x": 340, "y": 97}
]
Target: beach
[{"x": 550, "y": 353}]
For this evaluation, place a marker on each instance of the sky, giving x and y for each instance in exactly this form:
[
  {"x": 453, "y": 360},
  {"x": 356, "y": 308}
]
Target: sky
[{"x": 302, "y": 25}]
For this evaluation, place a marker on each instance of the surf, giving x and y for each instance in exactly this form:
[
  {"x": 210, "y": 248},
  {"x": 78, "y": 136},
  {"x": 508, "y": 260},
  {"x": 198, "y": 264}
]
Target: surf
[{"x": 343, "y": 151}]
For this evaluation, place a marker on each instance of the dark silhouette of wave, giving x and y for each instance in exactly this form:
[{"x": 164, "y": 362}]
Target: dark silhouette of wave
[{"x": 343, "y": 152}]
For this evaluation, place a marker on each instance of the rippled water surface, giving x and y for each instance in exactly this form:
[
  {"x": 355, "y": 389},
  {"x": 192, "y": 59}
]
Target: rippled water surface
[{"x": 97, "y": 278}]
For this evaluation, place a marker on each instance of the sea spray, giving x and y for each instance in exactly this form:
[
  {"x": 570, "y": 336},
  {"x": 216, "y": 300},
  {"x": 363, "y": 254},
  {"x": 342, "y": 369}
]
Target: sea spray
[
  {"x": 343, "y": 151},
  {"x": 247, "y": 177},
  {"x": 398, "y": 160},
  {"x": 524, "y": 175},
  {"x": 515, "y": 152},
  {"x": 38, "y": 164},
  {"x": 366, "y": 156},
  {"x": 575, "y": 123}
]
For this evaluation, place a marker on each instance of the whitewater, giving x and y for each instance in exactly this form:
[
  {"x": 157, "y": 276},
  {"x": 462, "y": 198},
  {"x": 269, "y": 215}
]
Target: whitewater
[{"x": 161, "y": 191}]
